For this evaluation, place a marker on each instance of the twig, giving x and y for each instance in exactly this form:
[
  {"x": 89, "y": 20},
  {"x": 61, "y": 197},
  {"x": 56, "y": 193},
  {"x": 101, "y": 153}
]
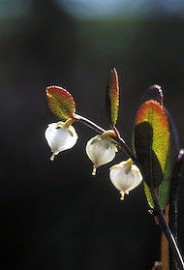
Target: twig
[
  {"x": 165, "y": 228},
  {"x": 165, "y": 245},
  {"x": 100, "y": 130},
  {"x": 173, "y": 202}
]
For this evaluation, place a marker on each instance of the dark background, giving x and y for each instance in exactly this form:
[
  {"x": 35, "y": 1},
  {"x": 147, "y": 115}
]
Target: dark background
[{"x": 56, "y": 215}]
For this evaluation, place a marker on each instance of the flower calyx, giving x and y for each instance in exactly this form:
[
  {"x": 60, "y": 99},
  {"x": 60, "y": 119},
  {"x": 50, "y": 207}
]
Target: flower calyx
[{"x": 125, "y": 176}]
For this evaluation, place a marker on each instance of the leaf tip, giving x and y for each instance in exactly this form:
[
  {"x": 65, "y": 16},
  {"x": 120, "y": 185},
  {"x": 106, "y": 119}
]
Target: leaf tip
[{"x": 154, "y": 92}]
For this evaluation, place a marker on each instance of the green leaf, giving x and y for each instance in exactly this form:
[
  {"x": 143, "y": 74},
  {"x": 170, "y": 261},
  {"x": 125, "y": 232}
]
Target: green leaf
[
  {"x": 153, "y": 173},
  {"x": 152, "y": 146},
  {"x": 60, "y": 102},
  {"x": 172, "y": 157},
  {"x": 112, "y": 97}
]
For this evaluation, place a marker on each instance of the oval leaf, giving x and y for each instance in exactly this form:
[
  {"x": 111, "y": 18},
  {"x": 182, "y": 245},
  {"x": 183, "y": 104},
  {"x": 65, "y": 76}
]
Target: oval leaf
[
  {"x": 112, "y": 97},
  {"x": 152, "y": 146},
  {"x": 60, "y": 102}
]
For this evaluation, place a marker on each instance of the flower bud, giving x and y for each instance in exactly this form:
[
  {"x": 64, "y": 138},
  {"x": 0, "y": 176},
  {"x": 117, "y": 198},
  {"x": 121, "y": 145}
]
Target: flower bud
[
  {"x": 125, "y": 176},
  {"x": 60, "y": 137},
  {"x": 100, "y": 151}
]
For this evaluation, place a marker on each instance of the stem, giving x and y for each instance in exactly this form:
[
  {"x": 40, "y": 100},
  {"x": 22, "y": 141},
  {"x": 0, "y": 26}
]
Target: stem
[
  {"x": 165, "y": 228},
  {"x": 163, "y": 224},
  {"x": 88, "y": 123},
  {"x": 165, "y": 244},
  {"x": 173, "y": 202},
  {"x": 122, "y": 144}
]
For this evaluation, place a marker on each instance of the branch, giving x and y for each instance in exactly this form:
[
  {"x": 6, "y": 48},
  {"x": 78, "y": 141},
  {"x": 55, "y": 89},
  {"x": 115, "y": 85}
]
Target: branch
[
  {"x": 173, "y": 202},
  {"x": 165, "y": 228},
  {"x": 163, "y": 224},
  {"x": 121, "y": 143}
]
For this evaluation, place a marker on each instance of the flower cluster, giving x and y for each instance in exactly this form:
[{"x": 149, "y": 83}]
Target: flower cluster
[{"x": 100, "y": 149}]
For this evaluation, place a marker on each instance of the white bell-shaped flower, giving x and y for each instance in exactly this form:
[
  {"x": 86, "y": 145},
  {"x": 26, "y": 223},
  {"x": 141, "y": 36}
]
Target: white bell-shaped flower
[
  {"x": 125, "y": 176},
  {"x": 100, "y": 151},
  {"x": 60, "y": 137}
]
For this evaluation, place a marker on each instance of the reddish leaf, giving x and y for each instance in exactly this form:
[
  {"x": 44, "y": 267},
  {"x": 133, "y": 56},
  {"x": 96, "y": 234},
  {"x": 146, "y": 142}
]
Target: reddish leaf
[
  {"x": 60, "y": 102},
  {"x": 112, "y": 97},
  {"x": 152, "y": 143}
]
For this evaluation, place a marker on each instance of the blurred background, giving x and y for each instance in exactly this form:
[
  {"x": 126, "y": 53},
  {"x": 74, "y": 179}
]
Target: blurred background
[{"x": 55, "y": 215}]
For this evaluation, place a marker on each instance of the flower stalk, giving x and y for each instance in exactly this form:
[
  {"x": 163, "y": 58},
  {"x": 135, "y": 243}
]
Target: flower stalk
[{"x": 120, "y": 141}]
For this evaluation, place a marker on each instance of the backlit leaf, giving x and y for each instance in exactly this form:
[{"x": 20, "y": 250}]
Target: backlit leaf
[
  {"x": 173, "y": 153},
  {"x": 60, "y": 102},
  {"x": 112, "y": 97},
  {"x": 152, "y": 146}
]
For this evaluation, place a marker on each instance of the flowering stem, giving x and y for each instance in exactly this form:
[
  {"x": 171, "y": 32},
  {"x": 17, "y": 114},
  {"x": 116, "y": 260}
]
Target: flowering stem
[
  {"x": 162, "y": 221},
  {"x": 88, "y": 123},
  {"x": 122, "y": 144}
]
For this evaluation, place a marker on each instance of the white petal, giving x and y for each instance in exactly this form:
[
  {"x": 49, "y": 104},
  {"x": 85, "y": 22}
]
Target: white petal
[
  {"x": 100, "y": 151},
  {"x": 60, "y": 138},
  {"x": 125, "y": 177}
]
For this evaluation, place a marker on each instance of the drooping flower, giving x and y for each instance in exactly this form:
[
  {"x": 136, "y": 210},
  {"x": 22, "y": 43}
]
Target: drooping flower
[
  {"x": 100, "y": 150},
  {"x": 60, "y": 137},
  {"x": 125, "y": 176}
]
